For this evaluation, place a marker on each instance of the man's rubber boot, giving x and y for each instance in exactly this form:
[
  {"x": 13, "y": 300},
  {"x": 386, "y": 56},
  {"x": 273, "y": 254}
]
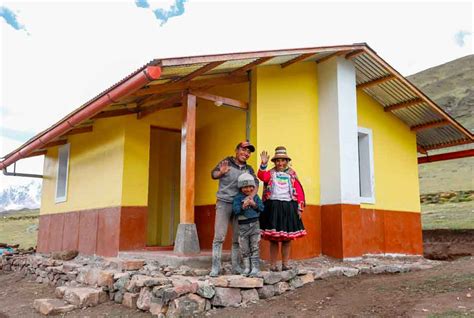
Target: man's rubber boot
[
  {"x": 234, "y": 257},
  {"x": 246, "y": 270},
  {"x": 255, "y": 267},
  {"x": 216, "y": 260}
]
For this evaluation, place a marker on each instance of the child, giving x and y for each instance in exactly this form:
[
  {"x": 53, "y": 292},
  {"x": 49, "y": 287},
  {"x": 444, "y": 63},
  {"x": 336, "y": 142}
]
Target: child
[
  {"x": 284, "y": 202},
  {"x": 247, "y": 211}
]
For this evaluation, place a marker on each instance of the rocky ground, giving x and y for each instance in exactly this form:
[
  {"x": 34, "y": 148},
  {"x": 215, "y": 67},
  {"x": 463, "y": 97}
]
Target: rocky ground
[{"x": 445, "y": 290}]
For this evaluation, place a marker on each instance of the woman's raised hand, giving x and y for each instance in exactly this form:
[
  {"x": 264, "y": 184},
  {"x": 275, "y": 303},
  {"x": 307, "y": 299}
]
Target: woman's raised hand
[{"x": 264, "y": 156}]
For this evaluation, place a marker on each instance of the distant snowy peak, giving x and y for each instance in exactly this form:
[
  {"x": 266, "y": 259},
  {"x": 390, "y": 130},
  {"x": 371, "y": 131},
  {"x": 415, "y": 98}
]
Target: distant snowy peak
[{"x": 21, "y": 197}]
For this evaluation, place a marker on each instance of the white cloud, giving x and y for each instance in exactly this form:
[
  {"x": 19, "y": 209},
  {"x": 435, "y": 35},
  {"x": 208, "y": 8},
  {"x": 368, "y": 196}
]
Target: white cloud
[{"x": 79, "y": 48}]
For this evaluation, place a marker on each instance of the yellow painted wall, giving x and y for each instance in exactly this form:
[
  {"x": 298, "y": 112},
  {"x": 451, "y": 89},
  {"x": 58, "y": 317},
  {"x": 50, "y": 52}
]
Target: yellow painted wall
[
  {"x": 219, "y": 130},
  {"x": 287, "y": 115},
  {"x": 95, "y": 170},
  {"x": 395, "y": 157},
  {"x": 137, "y": 153}
]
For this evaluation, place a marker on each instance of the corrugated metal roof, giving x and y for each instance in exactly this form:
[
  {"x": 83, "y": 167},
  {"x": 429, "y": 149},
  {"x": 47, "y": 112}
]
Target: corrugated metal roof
[{"x": 369, "y": 67}]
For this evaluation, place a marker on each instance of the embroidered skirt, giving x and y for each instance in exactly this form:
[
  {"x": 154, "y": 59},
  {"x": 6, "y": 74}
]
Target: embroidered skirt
[{"x": 280, "y": 221}]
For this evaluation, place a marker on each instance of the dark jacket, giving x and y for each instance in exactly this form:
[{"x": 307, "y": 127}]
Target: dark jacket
[{"x": 250, "y": 214}]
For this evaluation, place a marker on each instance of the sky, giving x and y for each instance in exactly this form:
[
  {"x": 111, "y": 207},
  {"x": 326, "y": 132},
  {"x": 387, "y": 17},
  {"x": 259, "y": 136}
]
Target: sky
[{"x": 56, "y": 55}]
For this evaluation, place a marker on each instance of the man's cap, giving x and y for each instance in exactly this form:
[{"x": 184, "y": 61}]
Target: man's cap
[{"x": 245, "y": 144}]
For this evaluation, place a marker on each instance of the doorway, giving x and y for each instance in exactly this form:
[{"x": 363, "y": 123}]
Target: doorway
[{"x": 163, "y": 186}]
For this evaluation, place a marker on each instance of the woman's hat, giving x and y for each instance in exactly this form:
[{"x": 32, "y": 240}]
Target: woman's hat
[
  {"x": 280, "y": 153},
  {"x": 245, "y": 180}
]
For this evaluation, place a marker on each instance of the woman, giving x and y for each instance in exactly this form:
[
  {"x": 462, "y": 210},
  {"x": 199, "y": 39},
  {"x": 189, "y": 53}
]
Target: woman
[{"x": 284, "y": 201}]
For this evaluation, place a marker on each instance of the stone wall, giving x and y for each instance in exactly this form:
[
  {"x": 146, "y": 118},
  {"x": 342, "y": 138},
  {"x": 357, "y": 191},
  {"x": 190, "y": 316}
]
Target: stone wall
[{"x": 173, "y": 292}]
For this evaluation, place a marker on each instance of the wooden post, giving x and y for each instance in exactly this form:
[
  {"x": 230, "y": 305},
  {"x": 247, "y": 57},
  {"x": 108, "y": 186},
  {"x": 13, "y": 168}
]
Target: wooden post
[
  {"x": 188, "y": 156},
  {"x": 187, "y": 241}
]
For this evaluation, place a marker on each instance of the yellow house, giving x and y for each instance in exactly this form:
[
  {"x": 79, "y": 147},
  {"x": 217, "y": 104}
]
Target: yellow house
[{"x": 130, "y": 170}]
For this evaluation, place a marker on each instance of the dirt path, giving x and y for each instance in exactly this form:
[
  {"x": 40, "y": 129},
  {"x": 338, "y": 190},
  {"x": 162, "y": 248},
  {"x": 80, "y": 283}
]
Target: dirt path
[{"x": 441, "y": 290}]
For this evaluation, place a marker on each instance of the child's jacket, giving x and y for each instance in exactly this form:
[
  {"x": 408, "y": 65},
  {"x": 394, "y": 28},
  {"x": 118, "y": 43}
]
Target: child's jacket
[{"x": 249, "y": 214}]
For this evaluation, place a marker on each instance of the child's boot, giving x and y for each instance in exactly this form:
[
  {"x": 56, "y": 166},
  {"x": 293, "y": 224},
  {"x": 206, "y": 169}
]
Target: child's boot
[
  {"x": 246, "y": 270},
  {"x": 255, "y": 266}
]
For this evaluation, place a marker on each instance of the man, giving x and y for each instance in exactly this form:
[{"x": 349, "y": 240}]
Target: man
[{"x": 227, "y": 172}]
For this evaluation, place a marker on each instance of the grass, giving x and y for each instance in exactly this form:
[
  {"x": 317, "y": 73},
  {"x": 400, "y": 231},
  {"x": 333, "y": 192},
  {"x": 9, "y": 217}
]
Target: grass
[
  {"x": 448, "y": 216},
  {"x": 19, "y": 228}
]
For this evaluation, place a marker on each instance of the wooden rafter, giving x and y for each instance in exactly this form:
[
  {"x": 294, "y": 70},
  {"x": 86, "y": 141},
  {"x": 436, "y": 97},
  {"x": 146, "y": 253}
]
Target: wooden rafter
[
  {"x": 79, "y": 130},
  {"x": 196, "y": 84},
  {"x": 173, "y": 101},
  {"x": 447, "y": 156},
  {"x": 114, "y": 113},
  {"x": 297, "y": 59},
  {"x": 249, "y": 66},
  {"x": 206, "y": 68},
  {"x": 404, "y": 104},
  {"x": 354, "y": 54},
  {"x": 433, "y": 124},
  {"x": 220, "y": 99},
  {"x": 55, "y": 143},
  {"x": 421, "y": 150},
  {"x": 327, "y": 57},
  {"x": 449, "y": 144},
  {"x": 376, "y": 81},
  {"x": 37, "y": 153}
]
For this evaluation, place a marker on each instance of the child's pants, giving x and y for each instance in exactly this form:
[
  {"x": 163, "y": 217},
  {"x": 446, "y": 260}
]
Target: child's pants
[{"x": 249, "y": 237}]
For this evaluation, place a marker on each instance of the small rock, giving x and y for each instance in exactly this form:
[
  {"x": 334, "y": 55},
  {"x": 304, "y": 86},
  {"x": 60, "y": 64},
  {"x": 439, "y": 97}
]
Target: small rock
[
  {"x": 200, "y": 272},
  {"x": 118, "y": 275},
  {"x": 132, "y": 264},
  {"x": 350, "y": 272},
  {"x": 157, "y": 308},
  {"x": 70, "y": 266},
  {"x": 92, "y": 276},
  {"x": 239, "y": 281},
  {"x": 266, "y": 291},
  {"x": 52, "y": 306},
  {"x": 106, "y": 278},
  {"x": 65, "y": 255},
  {"x": 205, "y": 290},
  {"x": 227, "y": 297},
  {"x": 118, "y": 297},
  {"x": 186, "y": 306},
  {"x": 219, "y": 281},
  {"x": 59, "y": 292},
  {"x": 84, "y": 296},
  {"x": 287, "y": 275},
  {"x": 130, "y": 300},
  {"x": 270, "y": 278},
  {"x": 144, "y": 299},
  {"x": 249, "y": 295},
  {"x": 281, "y": 287}
]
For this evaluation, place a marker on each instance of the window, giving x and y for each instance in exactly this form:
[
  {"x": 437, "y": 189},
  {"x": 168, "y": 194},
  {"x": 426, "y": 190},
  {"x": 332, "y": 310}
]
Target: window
[
  {"x": 62, "y": 176},
  {"x": 366, "y": 166}
]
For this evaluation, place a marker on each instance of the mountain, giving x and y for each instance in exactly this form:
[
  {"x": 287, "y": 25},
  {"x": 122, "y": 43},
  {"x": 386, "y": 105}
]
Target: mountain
[
  {"x": 451, "y": 86},
  {"x": 20, "y": 197}
]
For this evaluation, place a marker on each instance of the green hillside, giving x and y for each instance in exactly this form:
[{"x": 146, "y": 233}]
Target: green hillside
[{"x": 451, "y": 86}]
